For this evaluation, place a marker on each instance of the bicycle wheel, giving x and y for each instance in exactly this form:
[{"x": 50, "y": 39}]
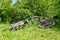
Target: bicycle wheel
[{"x": 47, "y": 24}]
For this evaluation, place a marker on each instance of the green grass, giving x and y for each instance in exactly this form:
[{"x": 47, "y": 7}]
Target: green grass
[{"x": 30, "y": 32}]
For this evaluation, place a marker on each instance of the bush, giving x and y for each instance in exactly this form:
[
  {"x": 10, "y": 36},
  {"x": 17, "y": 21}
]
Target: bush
[{"x": 26, "y": 8}]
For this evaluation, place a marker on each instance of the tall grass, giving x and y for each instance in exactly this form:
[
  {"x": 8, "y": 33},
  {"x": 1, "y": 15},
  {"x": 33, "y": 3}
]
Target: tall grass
[{"x": 30, "y": 31}]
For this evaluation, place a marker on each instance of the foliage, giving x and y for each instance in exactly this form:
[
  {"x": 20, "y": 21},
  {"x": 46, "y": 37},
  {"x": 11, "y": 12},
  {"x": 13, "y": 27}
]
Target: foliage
[{"x": 23, "y": 9}]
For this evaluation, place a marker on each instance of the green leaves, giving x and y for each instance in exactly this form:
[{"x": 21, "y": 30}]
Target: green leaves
[{"x": 23, "y": 9}]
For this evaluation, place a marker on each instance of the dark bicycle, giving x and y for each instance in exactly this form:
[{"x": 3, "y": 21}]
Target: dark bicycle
[{"x": 45, "y": 21}]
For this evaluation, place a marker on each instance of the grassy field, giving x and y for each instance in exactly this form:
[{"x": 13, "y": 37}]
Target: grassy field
[{"x": 30, "y": 32}]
